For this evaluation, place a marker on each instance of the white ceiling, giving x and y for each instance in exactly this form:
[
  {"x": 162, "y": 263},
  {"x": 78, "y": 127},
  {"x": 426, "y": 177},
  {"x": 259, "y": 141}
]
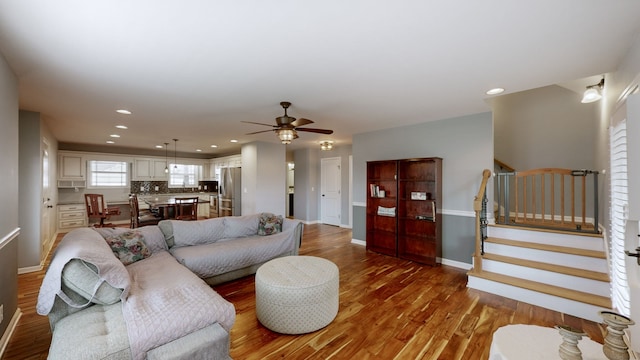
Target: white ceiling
[{"x": 194, "y": 69}]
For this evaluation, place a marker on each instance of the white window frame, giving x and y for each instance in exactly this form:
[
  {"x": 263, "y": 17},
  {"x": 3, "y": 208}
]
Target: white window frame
[
  {"x": 90, "y": 174},
  {"x": 184, "y": 175}
]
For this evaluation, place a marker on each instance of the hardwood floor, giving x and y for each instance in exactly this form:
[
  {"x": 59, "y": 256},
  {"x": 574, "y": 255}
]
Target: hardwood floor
[{"x": 389, "y": 309}]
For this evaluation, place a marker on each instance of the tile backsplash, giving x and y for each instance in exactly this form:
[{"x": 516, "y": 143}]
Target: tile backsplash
[{"x": 162, "y": 187}]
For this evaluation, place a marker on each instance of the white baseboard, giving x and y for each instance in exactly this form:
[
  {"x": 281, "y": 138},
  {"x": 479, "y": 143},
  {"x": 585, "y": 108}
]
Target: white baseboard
[
  {"x": 30, "y": 269},
  {"x": 359, "y": 242},
  {"x": 4, "y": 340},
  {"x": 457, "y": 264}
]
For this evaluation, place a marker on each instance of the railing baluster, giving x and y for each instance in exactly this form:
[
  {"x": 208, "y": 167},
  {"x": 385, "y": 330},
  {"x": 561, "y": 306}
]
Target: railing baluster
[
  {"x": 596, "y": 207},
  {"x": 562, "y": 214},
  {"x": 573, "y": 200},
  {"x": 517, "y": 209},
  {"x": 535, "y": 194},
  {"x": 553, "y": 198},
  {"x": 543, "y": 209},
  {"x": 584, "y": 198}
]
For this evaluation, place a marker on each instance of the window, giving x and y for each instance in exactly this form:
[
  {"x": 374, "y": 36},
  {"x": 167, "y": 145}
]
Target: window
[
  {"x": 107, "y": 174},
  {"x": 181, "y": 175}
]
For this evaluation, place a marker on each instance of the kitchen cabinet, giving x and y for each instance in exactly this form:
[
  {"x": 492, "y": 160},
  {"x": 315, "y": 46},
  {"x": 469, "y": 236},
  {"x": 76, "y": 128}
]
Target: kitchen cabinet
[
  {"x": 207, "y": 173},
  {"x": 148, "y": 169},
  {"x": 71, "y": 170},
  {"x": 224, "y": 162},
  {"x": 203, "y": 209},
  {"x": 402, "y": 209},
  {"x": 71, "y": 216}
]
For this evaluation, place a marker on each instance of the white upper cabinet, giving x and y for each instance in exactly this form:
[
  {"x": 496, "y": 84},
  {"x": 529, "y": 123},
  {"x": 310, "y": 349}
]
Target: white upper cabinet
[
  {"x": 71, "y": 166},
  {"x": 147, "y": 169}
]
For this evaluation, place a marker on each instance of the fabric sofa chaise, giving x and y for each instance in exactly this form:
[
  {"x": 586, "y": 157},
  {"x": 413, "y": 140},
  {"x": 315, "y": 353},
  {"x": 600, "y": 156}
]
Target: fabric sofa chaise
[{"x": 116, "y": 293}]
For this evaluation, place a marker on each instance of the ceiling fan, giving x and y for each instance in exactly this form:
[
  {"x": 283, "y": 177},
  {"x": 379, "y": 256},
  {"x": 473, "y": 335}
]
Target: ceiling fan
[{"x": 287, "y": 127}]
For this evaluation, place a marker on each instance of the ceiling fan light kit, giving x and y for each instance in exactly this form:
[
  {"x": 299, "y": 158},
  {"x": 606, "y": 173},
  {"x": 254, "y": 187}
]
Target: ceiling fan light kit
[
  {"x": 286, "y": 135},
  {"x": 287, "y": 127}
]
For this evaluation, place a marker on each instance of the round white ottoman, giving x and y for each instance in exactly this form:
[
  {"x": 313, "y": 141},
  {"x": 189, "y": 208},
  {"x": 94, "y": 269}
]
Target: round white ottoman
[{"x": 297, "y": 294}]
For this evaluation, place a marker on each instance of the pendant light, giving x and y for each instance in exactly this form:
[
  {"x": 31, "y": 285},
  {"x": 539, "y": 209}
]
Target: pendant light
[
  {"x": 166, "y": 163},
  {"x": 175, "y": 153}
]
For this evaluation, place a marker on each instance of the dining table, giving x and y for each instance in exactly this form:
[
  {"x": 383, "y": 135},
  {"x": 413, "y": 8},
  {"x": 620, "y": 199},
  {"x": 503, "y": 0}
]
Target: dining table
[{"x": 164, "y": 203}]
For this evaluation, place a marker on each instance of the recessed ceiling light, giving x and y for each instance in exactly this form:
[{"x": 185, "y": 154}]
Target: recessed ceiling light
[
  {"x": 121, "y": 127},
  {"x": 110, "y": 142},
  {"x": 114, "y": 135},
  {"x": 123, "y": 111},
  {"x": 159, "y": 147},
  {"x": 198, "y": 150},
  {"x": 495, "y": 91},
  {"x": 233, "y": 140},
  {"x": 214, "y": 146}
]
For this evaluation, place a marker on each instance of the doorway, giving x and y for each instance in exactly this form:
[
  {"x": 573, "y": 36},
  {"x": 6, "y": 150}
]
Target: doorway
[
  {"x": 330, "y": 190},
  {"x": 47, "y": 205}
]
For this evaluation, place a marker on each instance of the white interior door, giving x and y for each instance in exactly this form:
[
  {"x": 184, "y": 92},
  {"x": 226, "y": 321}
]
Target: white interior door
[
  {"x": 330, "y": 191},
  {"x": 47, "y": 205}
]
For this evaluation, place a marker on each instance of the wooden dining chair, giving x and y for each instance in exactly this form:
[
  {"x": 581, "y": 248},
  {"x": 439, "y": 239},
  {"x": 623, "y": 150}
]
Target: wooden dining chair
[
  {"x": 97, "y": 210},
  {"x": 187, "y": 208},
  {"x": 141, "y": 217}
]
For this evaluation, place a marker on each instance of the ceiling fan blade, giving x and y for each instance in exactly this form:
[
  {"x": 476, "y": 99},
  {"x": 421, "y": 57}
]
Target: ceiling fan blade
[
  {"x": 319, "y": 131},
  {"x": 257, "y": 123},
  {"x": 301, "y": 122},
  {"x": 258, "y": 132}
]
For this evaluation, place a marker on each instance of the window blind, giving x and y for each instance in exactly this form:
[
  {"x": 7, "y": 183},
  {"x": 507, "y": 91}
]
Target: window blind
[{"x": 619, "y": 200}]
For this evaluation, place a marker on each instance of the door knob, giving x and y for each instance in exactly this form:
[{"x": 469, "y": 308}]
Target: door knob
[
  {"x": 49, "y": 206},
  {"x": 635, "y": 254}
]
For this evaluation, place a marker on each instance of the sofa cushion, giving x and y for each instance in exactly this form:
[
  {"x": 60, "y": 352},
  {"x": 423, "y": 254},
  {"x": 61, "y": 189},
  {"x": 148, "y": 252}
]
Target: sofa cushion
[
  {"x": 269, "y": 224},
  {"x": 189, "y": 233},
  {"x": 225, "y": 256},
  {"x": 82, "y": 278},
  {"x": 240, "y": 226},
  {"x": 153, "y": 237},
  {"x": 97, "y": 332},
  {"x": 129, "y": 246}
]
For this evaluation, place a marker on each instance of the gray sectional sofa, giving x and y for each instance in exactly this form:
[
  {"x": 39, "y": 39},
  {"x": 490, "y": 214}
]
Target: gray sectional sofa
[{"x": 117, "y": 293}]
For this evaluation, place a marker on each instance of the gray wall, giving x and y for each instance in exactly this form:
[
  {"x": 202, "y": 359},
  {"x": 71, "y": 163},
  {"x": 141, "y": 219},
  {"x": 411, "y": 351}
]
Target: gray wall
[
  {"x": 545, "y": 127},
  {"x": 8, "y": 193},
  {"x": 306, "y": 179},
  {"x": 466, "y": 146},
  {"x": 264, "y": 171},
  {"x": 29, "y": 252}
]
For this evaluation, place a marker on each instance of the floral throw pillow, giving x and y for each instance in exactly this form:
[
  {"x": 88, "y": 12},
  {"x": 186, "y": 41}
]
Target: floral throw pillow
[
  {"x": 128, "y": 246},
  {"x": 269, "y": 224}
]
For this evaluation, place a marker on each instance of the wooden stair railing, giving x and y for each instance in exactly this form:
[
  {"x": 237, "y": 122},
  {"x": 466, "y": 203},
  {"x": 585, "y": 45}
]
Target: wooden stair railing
[
  {"x": 551, "y": 198},
  {"x": 479, "y": 205}
]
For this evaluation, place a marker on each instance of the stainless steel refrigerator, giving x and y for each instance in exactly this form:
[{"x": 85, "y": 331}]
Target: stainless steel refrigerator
[{"x": 229, "y": 192}]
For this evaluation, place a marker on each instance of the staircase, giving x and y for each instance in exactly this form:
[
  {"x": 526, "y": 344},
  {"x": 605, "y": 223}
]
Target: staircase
[{"x": 561, "y": 271}]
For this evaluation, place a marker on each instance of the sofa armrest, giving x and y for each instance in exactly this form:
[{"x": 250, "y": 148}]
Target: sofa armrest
[{"x": 297, "y": 227}]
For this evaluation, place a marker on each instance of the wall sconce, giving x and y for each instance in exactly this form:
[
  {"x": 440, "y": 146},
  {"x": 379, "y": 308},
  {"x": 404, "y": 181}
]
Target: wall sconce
[
  {"x": 593, "y": 92},
  {"x": 326, "y": 145}
]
